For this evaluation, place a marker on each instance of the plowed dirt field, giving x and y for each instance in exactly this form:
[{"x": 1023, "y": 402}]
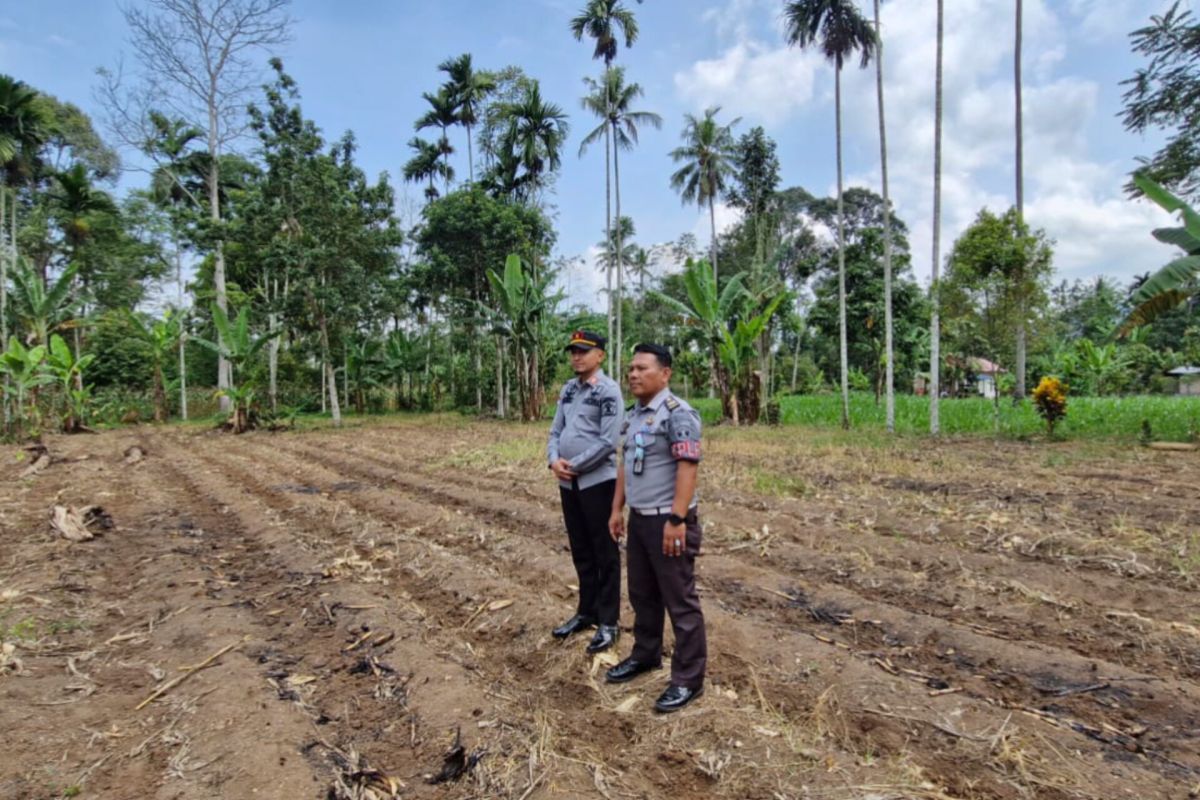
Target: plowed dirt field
[{"x": 322, "y": 614}]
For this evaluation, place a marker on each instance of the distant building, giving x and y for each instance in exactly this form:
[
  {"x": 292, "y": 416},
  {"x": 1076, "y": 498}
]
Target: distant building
[
  {"x": 1188, "y": 378},
  {"x": 975, "y": 376}
]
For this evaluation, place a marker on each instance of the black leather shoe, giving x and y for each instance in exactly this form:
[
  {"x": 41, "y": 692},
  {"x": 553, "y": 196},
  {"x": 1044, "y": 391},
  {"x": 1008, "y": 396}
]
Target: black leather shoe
[
  {"x": 573, "y": 625},
  {"x": 606, "y": 636},
  {"x": 629, "y": 669},
  {"x": 675, "y": 698}
]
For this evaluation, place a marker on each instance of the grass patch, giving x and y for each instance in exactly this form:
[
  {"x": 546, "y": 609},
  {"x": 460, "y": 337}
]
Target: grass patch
[
  {"x": 1171, "y": 418},
  {"x": 777, "y": 484}
]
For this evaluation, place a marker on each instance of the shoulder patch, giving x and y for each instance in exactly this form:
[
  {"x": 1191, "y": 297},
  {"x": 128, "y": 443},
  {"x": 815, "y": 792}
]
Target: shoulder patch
[{"x": 672, "y": 403}]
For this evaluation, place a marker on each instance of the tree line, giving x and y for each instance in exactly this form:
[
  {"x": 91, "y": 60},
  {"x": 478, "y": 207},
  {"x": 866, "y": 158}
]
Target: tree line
[{"x": 293, "y": 281}]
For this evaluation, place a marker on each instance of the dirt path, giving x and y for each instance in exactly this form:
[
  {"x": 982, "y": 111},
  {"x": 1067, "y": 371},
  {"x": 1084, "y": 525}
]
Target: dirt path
[{"x": 877, "y": 631}]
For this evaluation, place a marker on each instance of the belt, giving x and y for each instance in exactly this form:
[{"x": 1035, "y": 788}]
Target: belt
[{"x": 658, "y": 511}]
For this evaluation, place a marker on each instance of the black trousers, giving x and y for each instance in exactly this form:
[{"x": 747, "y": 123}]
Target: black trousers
[
  {"x": 597, "y": 557},
  {"x": 658, "y": 583}
]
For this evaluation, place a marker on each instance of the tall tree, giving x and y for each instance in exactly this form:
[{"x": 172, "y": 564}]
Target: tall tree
[
  {"x": 469, "y": 88},
  {"x": 442, "y": 114},
  {"x": 707, "y": 156},
  {"x": 605, "y": 22},
  {"x": 888, "y": 323},
  {"x": 538, "y": 132},
  {"x": 613, "y": 103},
  {"x": 935, "y": 334},
  {"x": 200, "y": 59},
  {"x": 1019, "y": 127},
  {"x": 839, "y": 30}
]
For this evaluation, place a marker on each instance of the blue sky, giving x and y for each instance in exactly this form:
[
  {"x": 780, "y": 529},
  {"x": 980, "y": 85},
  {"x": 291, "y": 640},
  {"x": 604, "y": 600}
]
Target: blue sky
[{"x": 362, "y": 65}]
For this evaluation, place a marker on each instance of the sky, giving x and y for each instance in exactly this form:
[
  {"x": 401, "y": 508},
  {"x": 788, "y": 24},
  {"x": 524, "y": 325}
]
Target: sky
[{"x": 363, "y": 64}]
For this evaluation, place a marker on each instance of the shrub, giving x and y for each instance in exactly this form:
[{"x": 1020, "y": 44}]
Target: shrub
[{"x": 1050, "y": 399}]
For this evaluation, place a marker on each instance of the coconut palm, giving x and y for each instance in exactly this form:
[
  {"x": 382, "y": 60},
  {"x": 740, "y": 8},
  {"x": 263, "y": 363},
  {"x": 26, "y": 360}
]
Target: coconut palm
[
  {"x": 442, "y": 114},
  {"x": 640, "y": 263},
  {"x": 839, "y": 31},
  {"x": 935, "y": 333},
  {"x": 612, "y": 101},
  {"x": 426, "y": 165},
  {"x": 468, "y": 88},
  {"x": 707, "y": 157},
  {"x": 889, "y": 351}
]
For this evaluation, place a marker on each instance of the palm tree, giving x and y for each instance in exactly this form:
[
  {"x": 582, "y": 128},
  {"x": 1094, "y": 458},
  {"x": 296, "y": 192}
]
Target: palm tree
[
  {"x": 442, "y": 114},
  {"x": 707, "y": 156},
  {"x": 612, "y": 102},
  {"x": 639, "y": 266},
  {"x": 468, "y": 89},
  {"x": 24, "y": 126},
  {"x": 605, "y": 21},
  {"x": 538, "y": 130},
  {"x": 887, "y": 231},
  {"x": 425, "y": 165},
  {"x": 935, "y": 333},
  {"x": 1020, "y": 170},
  {"x": 839, "y": 30}
]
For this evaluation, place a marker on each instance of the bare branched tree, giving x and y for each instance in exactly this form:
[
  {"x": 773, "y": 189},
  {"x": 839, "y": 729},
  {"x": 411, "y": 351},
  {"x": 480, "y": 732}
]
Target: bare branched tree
[{"x": 198, "y": 61}]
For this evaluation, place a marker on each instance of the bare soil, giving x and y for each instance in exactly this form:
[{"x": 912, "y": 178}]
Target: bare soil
[{"x": 328, "y": 613}]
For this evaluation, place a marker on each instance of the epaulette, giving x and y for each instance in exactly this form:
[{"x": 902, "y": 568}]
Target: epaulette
[{"x": 672, "y": 403}]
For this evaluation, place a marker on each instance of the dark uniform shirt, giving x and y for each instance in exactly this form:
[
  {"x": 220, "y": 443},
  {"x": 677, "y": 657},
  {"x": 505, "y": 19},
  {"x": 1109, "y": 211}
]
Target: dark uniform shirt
[
  {"x": 585, "y": 430},
  {"x": 658, "y": 435}
]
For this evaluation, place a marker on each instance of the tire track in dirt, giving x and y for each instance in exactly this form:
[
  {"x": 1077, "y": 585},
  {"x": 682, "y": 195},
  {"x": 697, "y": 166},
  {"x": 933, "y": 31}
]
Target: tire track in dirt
[
  {"x": 506, "y": 657},
  {"x": 873, "y": 584},
  {"x": 1008, "y": 655},
  {"x": 148, "y": 566},
  {"x": 437, "y": 703},
  {"x": 1147, "y": 629}
]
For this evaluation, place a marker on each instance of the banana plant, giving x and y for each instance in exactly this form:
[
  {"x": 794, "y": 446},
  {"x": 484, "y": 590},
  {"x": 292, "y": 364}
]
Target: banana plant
[
  {"x": 239, "y": 346},
  {"x": 25, "y": 369},
  {"x": 525, "y": 306},
  {"x": 1176, "y": 282},
  {"x": 42, "y": 309},
  {"x": 161, "y": 338},
  {"x": 738, "y": 356},
  {"x": 67, "y": 372},
  {"x": 710, "y": 311}
]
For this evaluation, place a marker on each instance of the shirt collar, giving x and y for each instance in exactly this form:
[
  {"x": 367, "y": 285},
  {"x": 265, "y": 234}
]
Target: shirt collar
[
  {"x": 656, "y": 401},
  {"x": 597, "y": 376}
]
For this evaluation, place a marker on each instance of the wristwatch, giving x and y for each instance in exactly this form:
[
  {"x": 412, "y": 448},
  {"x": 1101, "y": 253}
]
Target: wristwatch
[{"x": 675, "y": 519}]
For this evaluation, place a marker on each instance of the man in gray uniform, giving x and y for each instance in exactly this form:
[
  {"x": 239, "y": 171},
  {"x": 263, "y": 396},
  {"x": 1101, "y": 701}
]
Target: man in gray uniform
[
  {"x": 582, "y": 455},
  {"x": 658, "y": 478}
]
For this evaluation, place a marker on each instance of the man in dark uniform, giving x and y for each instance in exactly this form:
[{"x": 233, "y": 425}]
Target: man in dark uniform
[
  {"x": 661, "y": 458},
  {"x": 582, "y": 454}
]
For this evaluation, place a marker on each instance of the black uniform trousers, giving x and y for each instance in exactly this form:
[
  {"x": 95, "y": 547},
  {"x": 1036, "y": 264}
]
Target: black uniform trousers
[
  {"x": 658, "y": 583},
  {"x": 597, "y": 557}
]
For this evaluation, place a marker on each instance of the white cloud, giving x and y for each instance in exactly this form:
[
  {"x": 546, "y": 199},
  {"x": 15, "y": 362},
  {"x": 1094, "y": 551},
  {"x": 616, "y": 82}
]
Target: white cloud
[
  {"x": 751, "y": 79},
  {"x": 582, "y": 281},
  {"x": 1100, "y": 20},
  {"x": 59, "y": 41},
  {"x": 1071, "y": 192}
]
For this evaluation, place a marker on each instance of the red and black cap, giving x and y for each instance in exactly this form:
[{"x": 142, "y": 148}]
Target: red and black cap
[{"x": 586, "y": 340}]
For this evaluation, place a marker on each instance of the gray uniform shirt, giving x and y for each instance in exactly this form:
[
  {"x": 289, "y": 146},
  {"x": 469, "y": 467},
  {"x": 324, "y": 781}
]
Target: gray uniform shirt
[
  {"x": 668, "y": 430},
  {"x": 585, "y": 430}
]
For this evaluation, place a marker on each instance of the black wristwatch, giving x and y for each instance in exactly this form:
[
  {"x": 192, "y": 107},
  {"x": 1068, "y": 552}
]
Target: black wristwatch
[{"x": 675, "y": 519}]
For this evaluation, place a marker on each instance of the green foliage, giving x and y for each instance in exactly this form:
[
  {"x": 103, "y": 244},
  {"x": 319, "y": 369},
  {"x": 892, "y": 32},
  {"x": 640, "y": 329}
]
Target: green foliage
[
  {"x": 24, "y": 370},
  {"x": 239, "y": 346},
  {"x": 1165, "y": 96},
  {"x": 38, "y": 309},
  {"x": 1175, "y": 283}
]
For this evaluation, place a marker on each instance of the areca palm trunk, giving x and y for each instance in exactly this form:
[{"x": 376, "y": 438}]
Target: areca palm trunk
[
  {"x": 183, "y": 409},
  {"x": 887, "y": 232},
  {"x": 608, "y": 267},
  {"x": 224, "y": 368},
  {"x": 712, "y": 222},
  {"x": 935, "y": 289},
  {"x": 470, "y": 155},
  {"x": 620, "y": 257},
  {"x": 1020, "y": 169},
  {"x": 4, "y": 256},
  {"x": 841, "y": 209}
]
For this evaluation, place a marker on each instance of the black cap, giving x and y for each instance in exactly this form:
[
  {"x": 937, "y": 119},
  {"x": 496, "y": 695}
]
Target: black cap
[{"x": 586, "y": 340}]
